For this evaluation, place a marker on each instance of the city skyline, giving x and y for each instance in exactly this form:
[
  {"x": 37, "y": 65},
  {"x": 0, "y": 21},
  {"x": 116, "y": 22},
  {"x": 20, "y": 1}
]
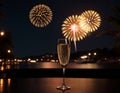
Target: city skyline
[{"x": 30, "y": 40}]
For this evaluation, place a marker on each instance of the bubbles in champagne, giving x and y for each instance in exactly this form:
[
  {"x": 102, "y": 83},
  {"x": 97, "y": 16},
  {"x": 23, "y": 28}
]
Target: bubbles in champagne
[{"x": 63, "y": 54}]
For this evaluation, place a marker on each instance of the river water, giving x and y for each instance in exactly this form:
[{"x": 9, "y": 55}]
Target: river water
[{"x": 52, "y": 65}]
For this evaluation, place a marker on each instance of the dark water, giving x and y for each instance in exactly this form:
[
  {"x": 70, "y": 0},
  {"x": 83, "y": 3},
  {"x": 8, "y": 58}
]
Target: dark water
[
  {"x": 48, "y": 84},
  {"x": 52, "y": 65}
]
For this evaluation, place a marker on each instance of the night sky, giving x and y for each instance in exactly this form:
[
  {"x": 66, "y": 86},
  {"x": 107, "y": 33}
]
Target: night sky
[{"x": 29, "y": 40}]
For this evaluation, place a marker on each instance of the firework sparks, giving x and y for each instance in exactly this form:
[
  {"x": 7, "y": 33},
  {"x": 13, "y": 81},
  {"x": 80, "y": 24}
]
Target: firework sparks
[
  {"x": 90, "y": 20},
  {"x": 40, "y": 15},
  {"x": 71, "y": 29}
]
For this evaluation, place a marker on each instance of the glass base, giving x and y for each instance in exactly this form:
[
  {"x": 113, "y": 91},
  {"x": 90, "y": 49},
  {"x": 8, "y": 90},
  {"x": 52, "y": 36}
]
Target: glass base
[{"x": 63, "y": 87}]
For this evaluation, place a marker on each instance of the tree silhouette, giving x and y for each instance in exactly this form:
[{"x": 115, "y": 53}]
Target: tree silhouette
[
  {"x": 6, "y": 44},
  {"x": 2, "y": 15},
  {"x": 115, "y": 32}
]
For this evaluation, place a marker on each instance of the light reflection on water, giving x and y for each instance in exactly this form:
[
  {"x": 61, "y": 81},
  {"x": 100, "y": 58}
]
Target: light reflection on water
[
  {"x": 48, "y": 65},
  {"x": 5, "y": 85},
  {"x": 48, "y": 85},
  {"x": 87, "y": 66},
  {"x": 51, "y": 65}
]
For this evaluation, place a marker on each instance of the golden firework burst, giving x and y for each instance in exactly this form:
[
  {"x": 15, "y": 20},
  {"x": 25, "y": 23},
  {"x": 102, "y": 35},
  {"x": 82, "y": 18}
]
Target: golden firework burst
[
  {"x": 71, "y": 28},
  {"x": 40, "y": 15},
  {"x": 90, "y": 20}
]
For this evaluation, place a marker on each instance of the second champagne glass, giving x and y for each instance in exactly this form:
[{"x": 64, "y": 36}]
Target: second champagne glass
[{"x": 63, "y": 49}]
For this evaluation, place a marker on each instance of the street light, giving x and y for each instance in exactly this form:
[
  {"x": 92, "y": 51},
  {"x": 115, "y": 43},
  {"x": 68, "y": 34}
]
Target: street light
[
  {"x": 89, "y": 54},
  {"x": 9, "y": 51},
  {"x": 95, "y": 54},
  {"x": 2, "y": 33}
]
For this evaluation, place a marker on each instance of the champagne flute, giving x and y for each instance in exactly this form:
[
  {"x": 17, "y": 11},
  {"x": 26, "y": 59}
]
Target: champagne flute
[{"x": 63, "y": 49}]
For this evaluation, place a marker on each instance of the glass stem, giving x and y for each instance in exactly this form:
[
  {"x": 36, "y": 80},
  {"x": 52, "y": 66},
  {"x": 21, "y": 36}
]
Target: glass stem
[{"x": 63, "y": 75}]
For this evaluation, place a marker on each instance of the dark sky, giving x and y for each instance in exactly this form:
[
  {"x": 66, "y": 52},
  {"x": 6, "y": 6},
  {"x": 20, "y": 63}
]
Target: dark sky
[{"x": 30, "y": 40}]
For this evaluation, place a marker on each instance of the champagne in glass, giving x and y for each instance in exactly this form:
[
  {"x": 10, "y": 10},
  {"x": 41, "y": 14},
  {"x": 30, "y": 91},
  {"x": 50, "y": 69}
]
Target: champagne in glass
[
  {"x": 63, "y": 49},
  {"x": 63, "y": 54}
]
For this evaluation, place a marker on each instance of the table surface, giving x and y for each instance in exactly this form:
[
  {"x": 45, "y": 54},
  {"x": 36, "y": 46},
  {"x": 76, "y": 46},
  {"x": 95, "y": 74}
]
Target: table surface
[{"x": 48, "y": 85}]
